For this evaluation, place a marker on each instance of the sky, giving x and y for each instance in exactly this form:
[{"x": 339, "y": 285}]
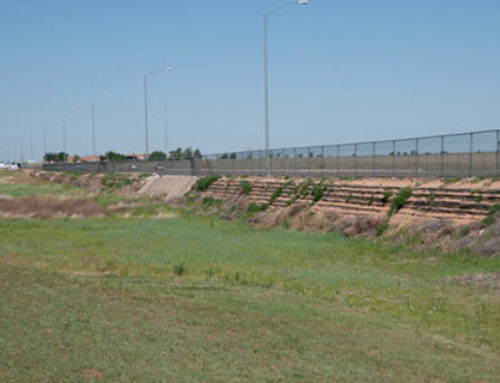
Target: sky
[{"x": 340, "y": 71}]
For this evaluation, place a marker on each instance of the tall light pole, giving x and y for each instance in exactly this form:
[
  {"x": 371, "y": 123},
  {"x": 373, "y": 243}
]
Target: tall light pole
[
  {"x": 44, "y": 140},
  {"x": 92, "y": 107},
  {"x": 64, "y": 137},
  {"x": 167, "y": 69},
  {"x": 267, "y": 16},
  {"x": 32, "y": 158}
]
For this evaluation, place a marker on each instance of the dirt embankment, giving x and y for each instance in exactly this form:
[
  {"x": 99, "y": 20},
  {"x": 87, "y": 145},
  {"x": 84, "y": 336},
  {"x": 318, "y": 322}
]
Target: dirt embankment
[
  {"x": 46, "y": 207},
  {"x": 445, "y": 214}
]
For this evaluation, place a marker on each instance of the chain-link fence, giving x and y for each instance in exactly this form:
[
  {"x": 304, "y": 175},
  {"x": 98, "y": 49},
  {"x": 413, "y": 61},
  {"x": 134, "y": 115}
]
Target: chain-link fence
[{"x": 455, "y": 155}]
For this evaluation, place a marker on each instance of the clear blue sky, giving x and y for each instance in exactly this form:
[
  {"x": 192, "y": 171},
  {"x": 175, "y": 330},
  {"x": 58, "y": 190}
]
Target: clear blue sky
[{"x": 340, "y": 71}]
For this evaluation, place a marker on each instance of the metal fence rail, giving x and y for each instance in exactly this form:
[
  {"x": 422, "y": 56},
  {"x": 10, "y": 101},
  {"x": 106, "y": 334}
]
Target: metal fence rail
[{"x": 454, "y": 155}]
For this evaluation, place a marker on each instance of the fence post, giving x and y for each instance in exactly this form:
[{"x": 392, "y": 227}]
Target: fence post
[
  {"x": 322, "y": 161},
  {"x": 498, "y": 153},
  {"x": 338, "y": 161},
  {"x": 442, "y": 156},
  {"x": 416, "y": 156},
  {"x": 393, "y": 158},
  {"x": 470, "y": 153},
  {"x": 295, "y": 162},
  {"x": 373, "y": 158},
  {"x": 283, "y": 162},
  {"x": 309, "y": 159},
  {"x": 356, "y": 160}
]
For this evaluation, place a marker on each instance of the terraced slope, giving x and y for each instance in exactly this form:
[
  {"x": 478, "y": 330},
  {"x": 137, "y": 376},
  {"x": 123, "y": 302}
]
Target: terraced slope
[{"x": 457, "y": 203}]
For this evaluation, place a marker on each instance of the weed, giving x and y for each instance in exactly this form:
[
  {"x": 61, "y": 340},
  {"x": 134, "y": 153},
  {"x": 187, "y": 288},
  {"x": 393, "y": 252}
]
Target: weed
[
  {"x": 465, "y": 230},
  {"x": 204, "y": 183},
  {"x": 348, "y": 198},
  {"x": 381, "y": 229},
  {"x": 451, "y": 180},
  {"x": 179, "y": 269},
  {"x": 208, "y": 202},
  {"x": 276, "y": 194},
  {"x": 371, "y": 200},
  {"x": 255, "y": 208},
  {"x": 430, "y": 200},
  {"x": 490, "y": 219},
  {"x": 115, "y": 181},
  {"x": 317, "y": 193},
  {"x": 245, "y": 187},
  {"x": 386, "y": 196},
  {"x": 399, "y": 201}
]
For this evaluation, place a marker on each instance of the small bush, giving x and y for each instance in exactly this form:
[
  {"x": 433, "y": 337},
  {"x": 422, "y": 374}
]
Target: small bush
[
  {"x": 430, "y": 200},
  {"x": 115, "y": 181},
  {"x": 204, "y": 182},
  {"x": 381, "y": 229},
  {"x": 348, "y": 198},
  {"x": 490, "y": 219},
  {"x": 255, "y": 208},
  {"x": 451, "y": 180},
  {"x": 400, "y": 200},
  {"x": 371, "y": 200},
  {"x": 276, "y": 194},
  {"x": 387, "y": 196},
  {"x": 179, "y": 269},
  {"x": 317, "y": 193},
  {"x": 211, "y": 201},
  {"x": 245, "y": 187}
]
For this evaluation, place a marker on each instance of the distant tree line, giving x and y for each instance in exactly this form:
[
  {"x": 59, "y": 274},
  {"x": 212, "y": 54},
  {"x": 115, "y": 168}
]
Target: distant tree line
[
  {"x": 158, "y": 155},
  {"x": 55, "y": 157}
]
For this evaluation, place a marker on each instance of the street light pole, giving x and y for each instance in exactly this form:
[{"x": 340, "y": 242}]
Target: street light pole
[
  {"x": 92, "y": 108},
  {"x": 44, "y": 140},
  {"x": 266, "y": 75},
  {"x": 167, "y": 69},
  {"x": 64, "y": 137},
  {"x": 94, "y": 150}
]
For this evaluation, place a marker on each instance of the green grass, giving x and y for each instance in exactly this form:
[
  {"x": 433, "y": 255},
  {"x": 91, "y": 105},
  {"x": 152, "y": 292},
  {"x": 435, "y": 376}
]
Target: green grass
[
  {"x": 36, "y": 188},
  {"x": 193, "y": 298},
  {"x": 255, "y": 304}
]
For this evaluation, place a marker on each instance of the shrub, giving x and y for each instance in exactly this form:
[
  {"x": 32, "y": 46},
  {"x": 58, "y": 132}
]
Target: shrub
[
  {"x": 430, "y": 200},
  {"x": 276, "y": 194},
  {"x": 451, "y": 180},
  {"x": 204, "y": 182},
  {"x": 211, "y": 201},
  {"x": 490, "y": 219},
  {"x": 371, "y": 200},
  {"x": 317, "y": 193},
  {"x": 246, "y": 187},
  {"x": 387, "y": 196},
  {"x": 115, "y": 181},
  {"x": 255, "y": 208},
  {"x": 381, "y": 229},
  {"x": 179, "y": 269},
  {"x": 348, "y": 198},
  {"x": 400, "y": 200}
]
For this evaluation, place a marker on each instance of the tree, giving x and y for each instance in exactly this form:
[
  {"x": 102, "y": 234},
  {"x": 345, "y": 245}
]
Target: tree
[
  {"x": 76, "y": 158},
  {"x": 197, "y": 154},
  {"x": 157, "y": 156},
  {"x": 176, "y": 154},
  {"x": 188, "y": 153},
  {"x": 233, "y": 156},
  {"x": 55, "y": 157},
  {"x": 113, "y": 156}
]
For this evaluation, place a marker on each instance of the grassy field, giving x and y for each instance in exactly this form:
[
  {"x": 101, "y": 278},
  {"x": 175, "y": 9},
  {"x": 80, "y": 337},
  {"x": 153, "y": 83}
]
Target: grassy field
[{"x": 189, "y": 298}]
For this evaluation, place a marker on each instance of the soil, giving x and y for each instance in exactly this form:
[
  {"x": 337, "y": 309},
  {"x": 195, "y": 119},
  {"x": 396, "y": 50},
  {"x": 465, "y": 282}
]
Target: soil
[
  {"x": 46, "y": 207},
  {"x": 483, "y": 280}
]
